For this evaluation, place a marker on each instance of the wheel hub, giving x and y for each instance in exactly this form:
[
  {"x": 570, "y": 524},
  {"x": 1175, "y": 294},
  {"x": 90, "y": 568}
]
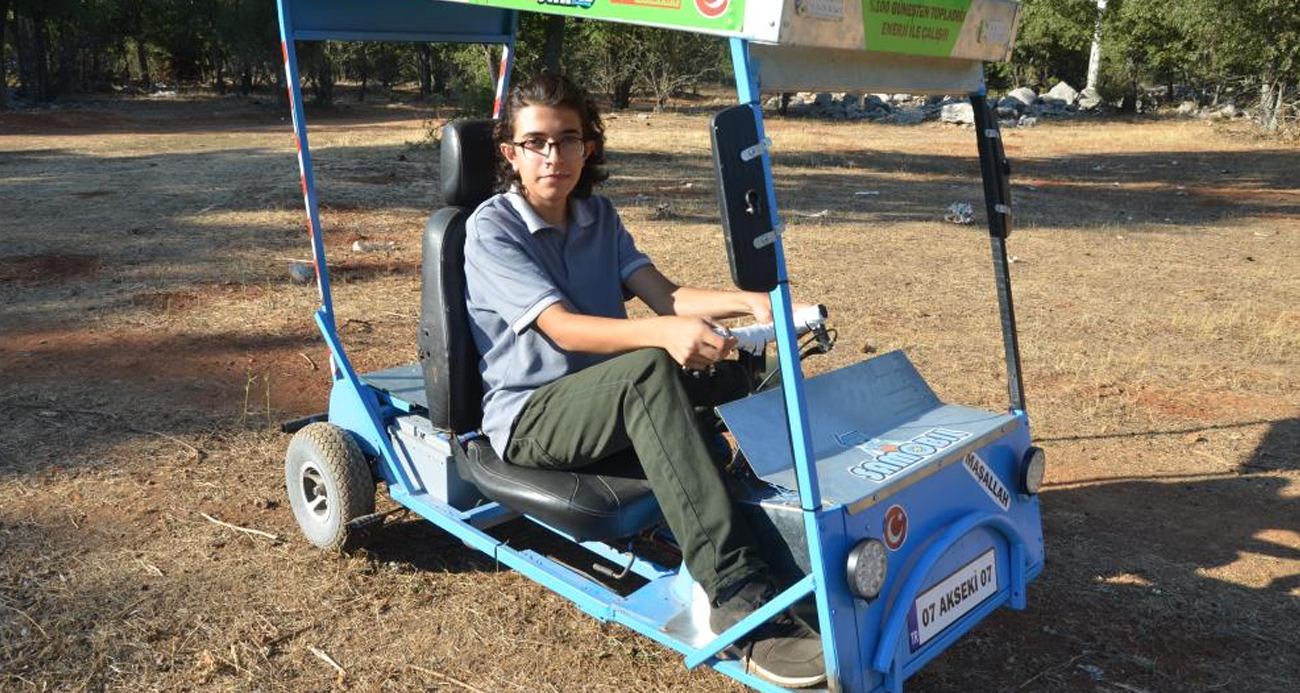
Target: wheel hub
[{"x": 315, "y": 493}]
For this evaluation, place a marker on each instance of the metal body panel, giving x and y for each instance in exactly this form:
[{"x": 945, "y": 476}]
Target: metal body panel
[
  {"x": 405, "y": 383},
  {"x": 875, "y": 424},
  {"x": 802, "y": 68},
  {"x": 426, "y": 456}
]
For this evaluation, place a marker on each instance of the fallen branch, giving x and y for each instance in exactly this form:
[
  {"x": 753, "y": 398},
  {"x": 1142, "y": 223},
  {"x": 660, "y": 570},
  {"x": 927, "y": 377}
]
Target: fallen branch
[
  {"x": 320, "y": 654},
  {"x": 446, "y": 677},
  {"x": 237, "y": 528},
  {"x": 1056, "y": 667},
  {"x": 29, "y": 618},
  {"x": 198, "y": 454},
  {"x": 314, "y": 367}
]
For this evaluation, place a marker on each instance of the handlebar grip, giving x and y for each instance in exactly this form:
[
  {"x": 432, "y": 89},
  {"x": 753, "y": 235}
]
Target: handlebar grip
[{"x": 754, "y": 338}]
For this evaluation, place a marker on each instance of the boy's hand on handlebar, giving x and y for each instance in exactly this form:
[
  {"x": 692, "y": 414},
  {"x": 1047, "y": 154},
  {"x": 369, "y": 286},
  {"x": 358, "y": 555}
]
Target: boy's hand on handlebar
[{"x": 693, "y": 342}]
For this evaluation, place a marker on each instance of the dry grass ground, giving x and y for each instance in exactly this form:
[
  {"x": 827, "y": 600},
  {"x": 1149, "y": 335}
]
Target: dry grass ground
[{"x": 149, "y": 339}]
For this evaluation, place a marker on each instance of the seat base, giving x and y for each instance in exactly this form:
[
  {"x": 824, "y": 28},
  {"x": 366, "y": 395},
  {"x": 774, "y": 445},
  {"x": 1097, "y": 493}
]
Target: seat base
[{"x": 607, "y": 500}]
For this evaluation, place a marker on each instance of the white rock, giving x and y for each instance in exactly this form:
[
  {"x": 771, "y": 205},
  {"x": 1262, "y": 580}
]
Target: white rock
[
  {"x": 1188, "y": 108},
  {"x": 1090, "y": 99},
  {"x": 372, "y": 246},
  {"x": 957, "y": 113},
  {"x": 302, "y": 272},
  {"x": 1024, "y": 95},
  {"x": 1062, "y": 93},
  {"x": 1226, "y": 113}
]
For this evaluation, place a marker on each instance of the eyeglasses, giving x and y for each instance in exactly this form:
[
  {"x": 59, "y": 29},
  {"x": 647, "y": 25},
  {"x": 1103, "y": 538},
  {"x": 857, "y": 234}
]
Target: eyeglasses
[{"x": 569, "y": 146}]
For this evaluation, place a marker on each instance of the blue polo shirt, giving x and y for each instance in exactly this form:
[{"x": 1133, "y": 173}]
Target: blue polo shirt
[{"x": 516, "y": 266}]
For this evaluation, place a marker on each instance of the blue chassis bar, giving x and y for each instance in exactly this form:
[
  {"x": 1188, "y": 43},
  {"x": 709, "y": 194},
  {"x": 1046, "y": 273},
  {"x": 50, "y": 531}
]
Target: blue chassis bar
[{"x": 362, "y": 410}]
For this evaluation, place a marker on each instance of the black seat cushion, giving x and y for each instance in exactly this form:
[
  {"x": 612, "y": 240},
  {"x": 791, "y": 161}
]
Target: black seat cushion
[{"x": 607, "y": 500}]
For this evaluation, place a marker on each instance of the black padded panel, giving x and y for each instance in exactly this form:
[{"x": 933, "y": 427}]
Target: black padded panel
[
  {"x": 607, "y": 500},
  {"x": 447, "y": 353},
  {"x": 742, "y": 193},
  {"x": 469, "y": 163}
]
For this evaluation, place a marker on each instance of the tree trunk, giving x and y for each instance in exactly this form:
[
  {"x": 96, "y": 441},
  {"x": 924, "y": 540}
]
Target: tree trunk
[
  {"x": 1272, "y": 102},
  {"x": 324, "y": 78},
  {"x": 439, "y": 68},
  {"x": 281, "y": 85},
  {"x": 489, "y": 56},
  {"x": 553, "y": 48},
  {"x": 622, "y": 95},
  {"x": 146, "y": 80},
  {"x": 40, "y": 53},
  {"x": 4, "y": 74},
  {"x": 23, "y": 47},
  {"x": 246, "y": 80},
  {"x": 1094, "y": 55},
  {"x": 219, "y": 63},
  {"x": 425, "y": 62}
]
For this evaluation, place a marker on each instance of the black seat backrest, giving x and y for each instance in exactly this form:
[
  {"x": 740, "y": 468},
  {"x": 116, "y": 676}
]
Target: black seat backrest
[{"x": 447, "y": 353}]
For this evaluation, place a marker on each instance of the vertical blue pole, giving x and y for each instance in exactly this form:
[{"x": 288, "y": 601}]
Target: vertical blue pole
[
  {"x": 507, "y": 66},
  {"x": 342, "y": 371},
  {"x": 792, "y": 380},
  {"x": 304, "y": 161}
]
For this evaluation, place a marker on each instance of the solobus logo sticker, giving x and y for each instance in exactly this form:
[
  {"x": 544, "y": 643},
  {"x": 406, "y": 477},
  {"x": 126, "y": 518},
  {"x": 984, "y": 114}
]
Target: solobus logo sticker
[
  {"x": 987, "y": 480},
  {"x": 888, "y": 459},
  {"x": 895, "y": 529},
  {"x": 712, "y": 8}
]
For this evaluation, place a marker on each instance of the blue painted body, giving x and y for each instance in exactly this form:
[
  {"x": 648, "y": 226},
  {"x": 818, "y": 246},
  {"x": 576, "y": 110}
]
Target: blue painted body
[{"x": 866, "y": 643}]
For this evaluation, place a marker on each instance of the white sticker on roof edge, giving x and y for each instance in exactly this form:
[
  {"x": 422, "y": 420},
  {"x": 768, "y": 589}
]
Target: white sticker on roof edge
[{"x": 987, "y": 480}]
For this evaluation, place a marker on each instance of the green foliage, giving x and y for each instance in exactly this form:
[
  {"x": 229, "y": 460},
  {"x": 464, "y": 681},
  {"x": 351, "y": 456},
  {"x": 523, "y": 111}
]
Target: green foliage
[
  {"x": 1246, "y": 50},
  {"x": 1052, "y": 44}
]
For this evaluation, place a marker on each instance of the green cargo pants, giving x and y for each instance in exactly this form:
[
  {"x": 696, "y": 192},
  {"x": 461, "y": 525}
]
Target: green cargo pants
[{"x": 644, "y": 401}]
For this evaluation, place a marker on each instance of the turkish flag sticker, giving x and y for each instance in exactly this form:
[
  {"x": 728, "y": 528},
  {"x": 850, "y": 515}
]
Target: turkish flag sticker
[
  {"x": 895, "y": 527},
  {"x": 712, "y": 8}
]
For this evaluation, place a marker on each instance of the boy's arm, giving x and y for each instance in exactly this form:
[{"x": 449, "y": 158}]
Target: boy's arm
[
  {"x": 691, "y": 341},
  {"x": 666, "y": 298}
]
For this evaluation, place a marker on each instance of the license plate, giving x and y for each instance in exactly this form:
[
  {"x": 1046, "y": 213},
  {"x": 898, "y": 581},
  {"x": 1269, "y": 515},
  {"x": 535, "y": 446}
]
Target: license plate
[{"x": 953, "y": 597}]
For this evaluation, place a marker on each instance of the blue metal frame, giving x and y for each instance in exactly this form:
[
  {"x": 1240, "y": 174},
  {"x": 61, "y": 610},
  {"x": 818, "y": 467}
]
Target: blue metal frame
[
  {"x": 860, "y": 638},
  {"x": 747, "y": 91}
]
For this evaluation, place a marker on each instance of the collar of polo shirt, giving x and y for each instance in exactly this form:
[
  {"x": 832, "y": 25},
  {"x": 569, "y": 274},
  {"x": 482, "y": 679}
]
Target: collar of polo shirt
[{"x": 577, "y": 209}]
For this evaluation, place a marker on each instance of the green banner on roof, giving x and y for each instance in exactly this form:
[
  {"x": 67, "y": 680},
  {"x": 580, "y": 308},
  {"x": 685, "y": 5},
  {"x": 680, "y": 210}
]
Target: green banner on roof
[
  {"x": 914, "y": 27},
  {"x": 708, "y": 15}
]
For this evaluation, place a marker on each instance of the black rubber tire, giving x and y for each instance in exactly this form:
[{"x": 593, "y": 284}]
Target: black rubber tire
[{"x": 329, "y": 484}]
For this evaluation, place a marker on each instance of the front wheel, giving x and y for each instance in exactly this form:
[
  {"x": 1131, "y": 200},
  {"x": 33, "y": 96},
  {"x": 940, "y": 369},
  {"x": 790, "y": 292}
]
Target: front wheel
[{"x": 329, "y": 483}]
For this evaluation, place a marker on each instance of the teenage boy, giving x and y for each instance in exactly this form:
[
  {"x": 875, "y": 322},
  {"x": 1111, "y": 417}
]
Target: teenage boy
[{"x": 571, "y": 379}]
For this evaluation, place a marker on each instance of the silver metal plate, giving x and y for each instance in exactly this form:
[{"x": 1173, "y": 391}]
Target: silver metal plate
[{"x": 875, "y": 425}]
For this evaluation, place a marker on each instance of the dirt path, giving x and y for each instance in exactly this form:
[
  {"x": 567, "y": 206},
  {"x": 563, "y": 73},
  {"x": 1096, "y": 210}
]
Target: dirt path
[{"x": 150, "y": 339}]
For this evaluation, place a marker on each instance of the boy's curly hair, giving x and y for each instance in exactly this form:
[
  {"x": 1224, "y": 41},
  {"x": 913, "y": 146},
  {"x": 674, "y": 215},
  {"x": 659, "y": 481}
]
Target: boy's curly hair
[{"x": 557, "y": 91}]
